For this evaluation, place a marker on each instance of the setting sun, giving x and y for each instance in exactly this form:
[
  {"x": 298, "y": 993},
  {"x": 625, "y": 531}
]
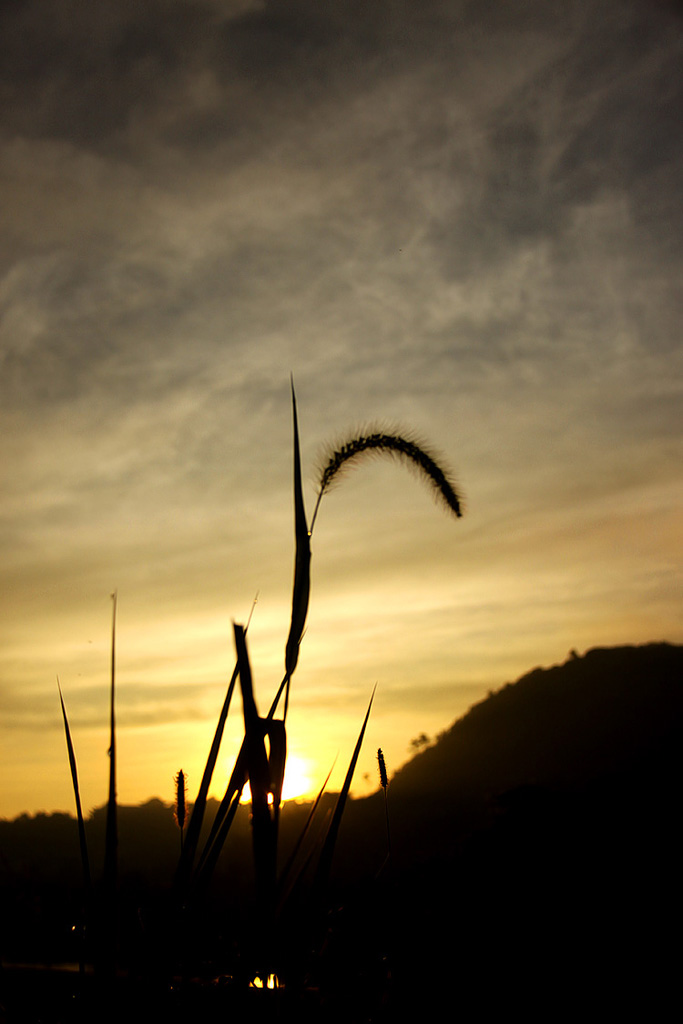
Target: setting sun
[{"x": 297, "y": 781}]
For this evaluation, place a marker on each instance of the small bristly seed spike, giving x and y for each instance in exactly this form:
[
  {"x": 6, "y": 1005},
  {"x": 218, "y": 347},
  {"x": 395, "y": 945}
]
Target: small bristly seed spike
[
  {"x": 383, "y": 780},
  {"x": 180, "y": 811}
]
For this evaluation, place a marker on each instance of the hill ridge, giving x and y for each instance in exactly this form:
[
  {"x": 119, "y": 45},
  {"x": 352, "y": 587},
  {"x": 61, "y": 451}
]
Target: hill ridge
[{"x": 604, "y": 705}]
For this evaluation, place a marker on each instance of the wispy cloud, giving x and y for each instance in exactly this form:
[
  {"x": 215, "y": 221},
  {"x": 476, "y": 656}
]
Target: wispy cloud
[{"x": 459, "y": 218}]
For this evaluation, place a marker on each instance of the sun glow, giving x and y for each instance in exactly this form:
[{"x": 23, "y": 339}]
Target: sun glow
[
  {"x": 297, "y": 781},
  {"x": 272, "y": 981}
]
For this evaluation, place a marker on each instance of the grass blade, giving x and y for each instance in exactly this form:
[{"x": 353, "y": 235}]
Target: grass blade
[
  {"x": 111, "y": 841},
  {"x": 302, "y": 565},
  {"x": 109, "y": 881},
  {"x": 277, "y": 758},
  {"x": 325, "y": 863},
  {"x": 263, "y": 832},
  {"x": 285, "y": 887},
  {"x": 199, "y": 808},
  {"x": 221, "y": 826},
  {"x": 228, "y": 805},
  {"x": 85, "y": 860}
]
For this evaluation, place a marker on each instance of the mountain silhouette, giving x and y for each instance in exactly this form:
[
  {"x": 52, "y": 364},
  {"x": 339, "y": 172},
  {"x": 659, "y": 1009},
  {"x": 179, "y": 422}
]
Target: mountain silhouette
[
  {"x": 542, "y": 826},
  {"x": 559, "y": 726}
]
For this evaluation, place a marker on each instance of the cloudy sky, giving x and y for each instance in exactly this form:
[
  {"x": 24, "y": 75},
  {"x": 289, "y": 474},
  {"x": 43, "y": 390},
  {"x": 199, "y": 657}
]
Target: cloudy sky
[{"x": 456, "y": 218}]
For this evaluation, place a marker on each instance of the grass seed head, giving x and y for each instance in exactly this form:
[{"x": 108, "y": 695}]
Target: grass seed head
[
  {"x": 378, "y": 442},
  {"x": 383, "y": 780},
  {"x": 180, "y": 810}
]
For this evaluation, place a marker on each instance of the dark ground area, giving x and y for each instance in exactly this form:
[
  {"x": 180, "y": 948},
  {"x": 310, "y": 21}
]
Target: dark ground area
[{"x": 535, "y": 870}]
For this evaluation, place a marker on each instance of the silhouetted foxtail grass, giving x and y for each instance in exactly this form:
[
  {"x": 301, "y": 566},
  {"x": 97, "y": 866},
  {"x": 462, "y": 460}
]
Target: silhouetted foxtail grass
[
  {"x": 382, "y": 768},
  {"x": 384, "y": 783},
  {"x": 260, "y": 761},
  {"x": 180, "y": 807},
  {"x": 380, "y": 442}
]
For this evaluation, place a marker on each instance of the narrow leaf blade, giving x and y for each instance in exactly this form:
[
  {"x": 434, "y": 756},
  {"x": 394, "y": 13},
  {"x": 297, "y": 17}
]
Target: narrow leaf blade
[
  {"x": 85, "y": 860},
  {"x": 302, "y": 563},
  {"x": 327, "y": 854}
]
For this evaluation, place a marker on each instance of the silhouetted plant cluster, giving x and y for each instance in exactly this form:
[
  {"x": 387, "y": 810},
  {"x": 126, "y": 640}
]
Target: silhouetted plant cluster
[{"x": 287, "y": 938}]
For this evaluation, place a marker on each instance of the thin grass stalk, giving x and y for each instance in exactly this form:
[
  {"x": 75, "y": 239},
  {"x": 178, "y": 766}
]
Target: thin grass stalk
[
  {"x": 212, "y": 850},
  {"x": 325, "y": 863},
  {"x": 284, "y": 886},
  {"x": 85, "y": 860},
  {"x": 275, "y": 730},
  {"x": 109, "y": 881},
  {"x": 277, "y": 758},
  {"x": 198, "y": 811},
  {"x": 199, "y": 808},
  {"x": 263, "y": 831},
  {"x": 384, "y": 783},
  {"x": 259, "y": 777},
  {"x": 218, "y": 832},
  {"x": 180, "y": 808},
  {"x": 111, "y": 842}
]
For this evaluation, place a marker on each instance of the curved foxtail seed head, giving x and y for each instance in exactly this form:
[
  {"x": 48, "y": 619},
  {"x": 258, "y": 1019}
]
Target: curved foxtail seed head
[{"x": 379, "y": 442}]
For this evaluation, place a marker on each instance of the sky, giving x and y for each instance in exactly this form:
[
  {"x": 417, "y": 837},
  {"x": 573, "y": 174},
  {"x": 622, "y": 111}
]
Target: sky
[{"x": 456, "y": 219}]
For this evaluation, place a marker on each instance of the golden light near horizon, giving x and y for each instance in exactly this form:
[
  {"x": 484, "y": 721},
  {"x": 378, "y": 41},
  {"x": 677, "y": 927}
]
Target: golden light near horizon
[
  {"x": 297, "y": 783},
  {"x": 298, "y": 780},
  {"x": 449, "y": 232}
]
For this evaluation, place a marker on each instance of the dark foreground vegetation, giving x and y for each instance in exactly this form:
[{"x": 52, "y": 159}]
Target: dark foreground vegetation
[
  {"x": 534, "y": 869},
  {"x": 268, "y": 942}
]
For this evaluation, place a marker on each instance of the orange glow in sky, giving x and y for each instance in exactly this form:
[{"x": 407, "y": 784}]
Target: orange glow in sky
[
  {"x": 297, "y": 781},
  {"x": 468, "y": 231}
]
